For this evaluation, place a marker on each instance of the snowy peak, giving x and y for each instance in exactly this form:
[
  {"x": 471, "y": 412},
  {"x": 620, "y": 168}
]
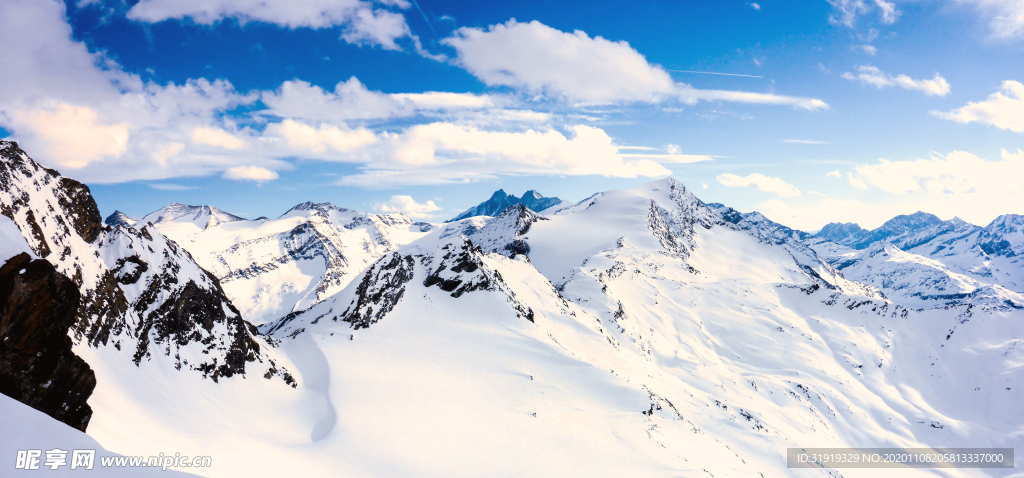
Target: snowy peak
[
  {"x": 500, "y": 201},
  {"x": 140, "y": 292},
  {"x": 118, "y": 218},
  {"x": 906, "y": 231},
  {"x": 322, "y": 209},
  {"x": 1004, "y": 236},
  {"x": 845, "y": 233},
  {"x": 201, "y": 216}
]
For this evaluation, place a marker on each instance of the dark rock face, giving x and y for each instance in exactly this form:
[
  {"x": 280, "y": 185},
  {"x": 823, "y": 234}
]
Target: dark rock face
[
  {"x": 380, "y": 290},
  {"x": 37, "y": 366},
  {"x": 79, "y": 206}
]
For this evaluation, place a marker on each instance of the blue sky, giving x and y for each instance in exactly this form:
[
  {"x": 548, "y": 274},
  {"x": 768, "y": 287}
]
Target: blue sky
[{"x": 810, "y": 111}]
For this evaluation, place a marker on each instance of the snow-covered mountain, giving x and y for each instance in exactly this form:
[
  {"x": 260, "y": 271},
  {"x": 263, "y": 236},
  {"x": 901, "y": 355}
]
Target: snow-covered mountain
[
  {"x": 185, "y": 216},
  {"x": 500, "y": 201},
  {"x": 118, "y": 218},
  {"x": 930, "y": 262},
  {"x": 646, "y": 333},
  {"x": 125, "y": 296},
  {"x": 639, "y": 332},
  {"x": 271, "y": 267}
]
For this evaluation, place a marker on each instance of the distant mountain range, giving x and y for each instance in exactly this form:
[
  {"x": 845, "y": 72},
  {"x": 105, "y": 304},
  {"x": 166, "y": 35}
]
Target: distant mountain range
[{"x": 500, "y": 201}]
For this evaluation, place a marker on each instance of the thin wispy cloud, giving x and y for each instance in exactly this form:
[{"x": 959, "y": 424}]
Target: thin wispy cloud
[{"x": 873, "y": 76}]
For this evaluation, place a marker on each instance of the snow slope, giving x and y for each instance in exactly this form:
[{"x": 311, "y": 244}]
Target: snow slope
[
  {"x": 36, "y": 431},
  {"x": 637, "y": 333},
  {"x": 643, "y": 333},
  {"x": 271, "y": 267}
]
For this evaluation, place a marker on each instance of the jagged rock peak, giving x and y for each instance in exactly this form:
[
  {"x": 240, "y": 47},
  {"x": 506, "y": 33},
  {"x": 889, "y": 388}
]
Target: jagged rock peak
[{"x": 500, "y": 201}]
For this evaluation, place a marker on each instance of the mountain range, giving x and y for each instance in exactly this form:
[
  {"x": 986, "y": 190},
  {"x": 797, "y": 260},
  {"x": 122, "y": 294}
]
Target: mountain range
[
  {"x": 500, "y": 201},
  {"x": 639, "y": 332}
]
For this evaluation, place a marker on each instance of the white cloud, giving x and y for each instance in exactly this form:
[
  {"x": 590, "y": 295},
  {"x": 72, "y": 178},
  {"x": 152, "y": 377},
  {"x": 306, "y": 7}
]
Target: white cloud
[
  {"x": 324, "y": 140},
  {"x": 671, "y": 154},
  {"x": 444, "y": 153},
  {"x": 443, "y": 100},
  {"x": 888, "y": 11},
  {"x": 871, "y": 75},
  {"x": 755, "y": 5},
  {"x": 691, "y": 95},
  {"x": 360, "y": 21},
  {"x": 804, "y": 141},
  {"x": 216, "y": 137},
  {"x": 846, "y": 12},
  {"x": 1005, "y": 17},
  {"x": 377, "y": 27},
  {"x": 763, "y": 183},
  {"x": 957, "y": 184},
  {"x": 407, "y": 205},
  {"x": 540, "y": 60},
  {"x": 351, "y": 100},
  {"x": 869, "y": 50},
  {"x": 250, "y": 173},
  {"x": 834, "y": 174},
  {"x": 1003, "y": 109},
  {"x": 71, "y": 136},
  {"x": 958, "y": 173}
]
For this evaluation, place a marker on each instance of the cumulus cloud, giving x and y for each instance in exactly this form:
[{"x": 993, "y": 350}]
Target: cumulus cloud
[
  {"x": 1003, "y": 109},
  {"x": 871, "y": 75},
  {"x": 768, "y": 184},
  {"x": 216, "y": 137},
  {"x": 250, "y": 173},
  {"x": 405, "y": 204},
  {"x": 324, "y": 140},
  {"x": 71, "y": 136},
  {"x": 444, "y": 153},
  {"x": 352, "y": 100},
  {"x": 361, "y": 21},
  {"x": 540, "y": 59},
  {"x": 574, "y": 66},
  {"x": 113, "y": 127}
]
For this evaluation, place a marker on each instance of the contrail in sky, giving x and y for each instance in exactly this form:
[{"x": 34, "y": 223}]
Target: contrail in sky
[
  {"x": 717, "y": 73},
  {"x": 425, "y": 19}
]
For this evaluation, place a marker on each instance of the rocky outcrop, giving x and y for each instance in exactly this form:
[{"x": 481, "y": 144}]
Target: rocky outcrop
[
  {"x": 138, "y": 289},
  {"x": 37, "y": 365}
]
